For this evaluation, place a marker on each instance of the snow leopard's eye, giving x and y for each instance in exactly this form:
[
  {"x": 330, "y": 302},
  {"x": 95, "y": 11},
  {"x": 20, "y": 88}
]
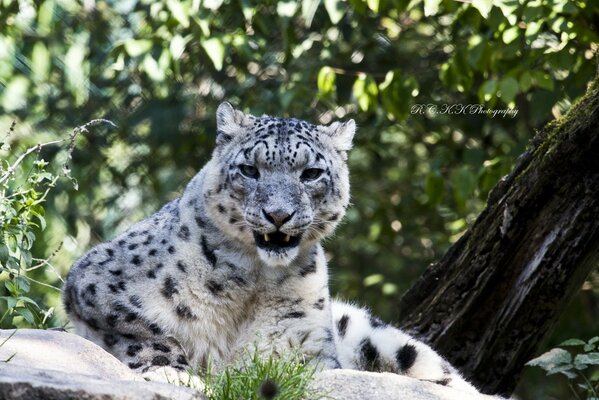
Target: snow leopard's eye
[
  {"x": 249, "y": 171},
  {"x": 311, "y": 174}
]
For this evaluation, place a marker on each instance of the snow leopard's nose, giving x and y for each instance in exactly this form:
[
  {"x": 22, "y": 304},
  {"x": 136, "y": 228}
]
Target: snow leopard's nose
[{"x": 277, "y": 217}]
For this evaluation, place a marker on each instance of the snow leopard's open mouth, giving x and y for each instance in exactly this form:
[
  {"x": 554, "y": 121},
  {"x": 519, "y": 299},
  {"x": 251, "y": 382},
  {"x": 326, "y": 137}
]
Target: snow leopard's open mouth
[{"x": 276, "y": 240}]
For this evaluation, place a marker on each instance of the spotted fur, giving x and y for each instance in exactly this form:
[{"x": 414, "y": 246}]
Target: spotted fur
[{"x": 237, "y": 262}]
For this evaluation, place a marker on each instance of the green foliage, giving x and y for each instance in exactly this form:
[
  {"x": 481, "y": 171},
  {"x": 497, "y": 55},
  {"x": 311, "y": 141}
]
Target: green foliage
[
  {"x": 24, "y": 188},
  {"x": 409, "y": 72},
  {"x": 259, "y": 377},
  {"x": 578, "y": 365}
]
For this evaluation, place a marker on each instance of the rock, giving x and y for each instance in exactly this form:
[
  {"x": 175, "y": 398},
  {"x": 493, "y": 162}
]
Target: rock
[
  {"x": 58, "y": 365},
  {"x": 52, "y": 365},
  {"x": 345, "y": 384}
]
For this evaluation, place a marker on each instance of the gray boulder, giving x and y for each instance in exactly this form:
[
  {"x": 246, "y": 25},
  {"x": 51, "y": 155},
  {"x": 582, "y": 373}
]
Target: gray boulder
[{"x": 52, "y": 365}]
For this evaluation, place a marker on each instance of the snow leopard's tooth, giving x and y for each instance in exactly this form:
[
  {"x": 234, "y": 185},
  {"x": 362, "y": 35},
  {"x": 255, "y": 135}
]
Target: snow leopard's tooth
[
  {"x": 287, "y": 238},
  {"x": 266, "y": 237}
]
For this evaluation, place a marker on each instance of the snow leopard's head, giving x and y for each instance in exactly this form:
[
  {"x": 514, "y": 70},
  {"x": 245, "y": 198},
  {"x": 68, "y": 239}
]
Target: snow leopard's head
[{"x": 277, "y": 184}]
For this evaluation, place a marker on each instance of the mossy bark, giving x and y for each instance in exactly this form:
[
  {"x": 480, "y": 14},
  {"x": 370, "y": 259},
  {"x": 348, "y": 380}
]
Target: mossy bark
[{"x": 490, "y": 301}]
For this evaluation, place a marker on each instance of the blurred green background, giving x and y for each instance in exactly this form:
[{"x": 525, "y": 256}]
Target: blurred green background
[{"x": 420, "y": 172}]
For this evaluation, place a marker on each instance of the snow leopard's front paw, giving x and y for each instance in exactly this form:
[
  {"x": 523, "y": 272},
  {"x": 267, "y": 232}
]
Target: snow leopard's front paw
[{"x": 174, "y": 376}]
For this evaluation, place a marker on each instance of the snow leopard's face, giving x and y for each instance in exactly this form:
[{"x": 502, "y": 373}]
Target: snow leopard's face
[{"x": 279, "y": 184}]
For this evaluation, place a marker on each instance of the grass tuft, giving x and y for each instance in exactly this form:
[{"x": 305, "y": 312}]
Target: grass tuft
[{"x": 262, "y": 378}]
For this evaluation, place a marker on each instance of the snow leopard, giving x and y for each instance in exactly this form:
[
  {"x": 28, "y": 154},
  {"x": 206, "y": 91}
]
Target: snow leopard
[{"x": 237, "y": 261}]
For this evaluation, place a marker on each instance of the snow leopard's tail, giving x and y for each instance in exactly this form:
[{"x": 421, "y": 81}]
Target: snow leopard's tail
[{"x": 364, "y": 342}]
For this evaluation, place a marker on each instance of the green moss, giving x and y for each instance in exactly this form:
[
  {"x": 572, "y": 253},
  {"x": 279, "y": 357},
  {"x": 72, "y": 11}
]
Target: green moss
[{"x": 583, "y": 113}]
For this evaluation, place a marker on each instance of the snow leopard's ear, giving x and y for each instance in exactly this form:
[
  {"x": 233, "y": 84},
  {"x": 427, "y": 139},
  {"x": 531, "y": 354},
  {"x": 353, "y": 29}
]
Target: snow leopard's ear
[
  {"x": 342, "y": 134},
  {"x": 230, "y": 122}
]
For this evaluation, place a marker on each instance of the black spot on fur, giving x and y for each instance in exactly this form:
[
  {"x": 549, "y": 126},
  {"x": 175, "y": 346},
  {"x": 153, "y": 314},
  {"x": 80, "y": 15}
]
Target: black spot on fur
[
  {"x": 200, "y": 222},
  {"x": 169, "y": 288},
  {"x": 370, "y": 355},
  {"x": 214, "y": 287},
  {"x": 122, "y": 285},
  {"x": 134, "y": 349},
  {"x": 91, "y": 289},
  {"x": 132, "y": 246},
  {"x": 152, "y": 252},
  {"x": 134, "y": 365},
  {"x": 136, "y": 260},
  {"x": 160, "y": 361},
  {"x": 155, "y": 329},
  {"x": 184, "y": 233},
  {"x": 92, "y": 323},
  {"x": 171, "y": 250},
  {"x": 110, "y": 340},
  {"x": 308, "y": 269},
  {"x": 181, "y": 266},
  {"x": 319, "y": 305},
  {"x": 161, "y": 347},
  {"x": 184, "y": 312},
  {"x": 130, "y": 317},
  {"x": 221, "y": 209},
  {"x": 238, "y": 280},
  {"x": 342, "y": 325},
  {"x": 405, "y": 357},
  {"x": 135, "y": 301},
  {"x": 182, "y": 360},
  {"x": 294, "y": 314},
  {"x": 151, "y": 274},
  {"x": 208, "y": 253},
  {"x": 116, "y": 272},
  {"x": 111, "y": 320}
]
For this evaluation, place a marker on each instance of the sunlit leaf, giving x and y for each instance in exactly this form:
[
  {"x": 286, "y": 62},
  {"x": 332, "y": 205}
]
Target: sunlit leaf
[
  {"x": 326, "y": 80},
  {"x": 137, "y": 47},
  {"x": 431, "y": 7},
  {"x": 335, "y": 9},
  {"x": 216, "y": 51},
  {"x": 483, "y": 6}
]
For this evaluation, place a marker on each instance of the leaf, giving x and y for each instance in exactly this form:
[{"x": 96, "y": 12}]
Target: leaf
[
  {"x": 508, "y": 88},
  {"x": 137, "y": 47},
  {"x": 435, "y": 187},
  {"x": 510, "y": 34},
  {"x": 551, "y": 360},
  {"x": 11, "y": 302},
  {"x": 573, "y": 342},
  {"x": 216, "y": 51},
  {"x": 212, "y": 4},
  {"x": 40, "y": 62},
  {"x": 180, "y": 12},
  {"x": 177, "y": 46},
  {"x": 309, "y": 8},
  {"x": 373, "y": 5},
  {"x": 483, "y": 6},
  {"x": 326, "y": 80},
  {"x": 153, "y": 69},
  {"x": 365, "y": 92},
  {"x": 335, "y": 9},
  {"x": 525, "y": 81},
  {"x": 287, "y": 9},
  {"x": 431, "y": 7},
  {"x": 463, "y": 182},
  {"x": 26, "y": 313},
  {"x": 487, "y": 90},
  {"x": 587, "y": 359}
]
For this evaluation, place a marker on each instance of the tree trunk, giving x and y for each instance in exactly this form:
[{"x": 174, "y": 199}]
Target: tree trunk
[{"x": 498, "y": 292}]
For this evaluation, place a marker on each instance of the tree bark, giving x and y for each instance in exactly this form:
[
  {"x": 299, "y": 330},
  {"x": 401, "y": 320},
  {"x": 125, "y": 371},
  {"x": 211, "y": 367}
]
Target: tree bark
[{"x": 490, "y": 301}]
